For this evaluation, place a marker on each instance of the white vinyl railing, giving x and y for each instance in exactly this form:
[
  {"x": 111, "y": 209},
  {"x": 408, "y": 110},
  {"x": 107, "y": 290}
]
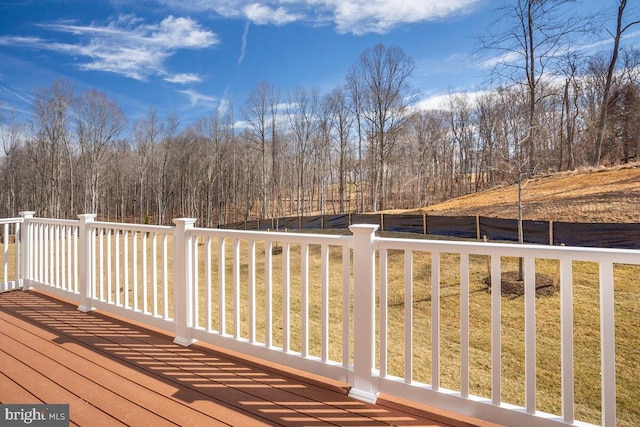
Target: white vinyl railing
[
  {"x": 338, "y": 306},
  {"x": 405, "y": 386},
  {"x": 10, "y": 274},
  {"x": 52, "y": 254},
  {"x": 254, "y": 325},
  {"x": 129, "y": 271}
]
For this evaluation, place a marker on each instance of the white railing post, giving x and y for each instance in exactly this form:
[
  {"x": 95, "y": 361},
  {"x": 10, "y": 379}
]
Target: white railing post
[
  {"x": 26, "y": 236},
  {"x": 85, "y": 262},
  {"x": 607, "y": 344},
  {"x": 362, "y": 387},
  {"x": 182, "y": 281}
]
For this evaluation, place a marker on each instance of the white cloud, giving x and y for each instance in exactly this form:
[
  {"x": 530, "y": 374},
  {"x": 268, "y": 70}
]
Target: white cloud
[
  {"x": 179, "y": 33},
  {"x": 441, "y": 101},
  {"x": 501, "y": 58},
  {"x": 224, "y": 106},
  {"x": 126, "y": 45},
  {"x": 262, "y": 15},
  {"x": 196, "y": 98},
  {"x": 348, "y": 16},
  {"x": 431, "y": 102},
  {"x": 599, "y": 44},
  {"x": 21, "y": 95},
  {"x": 14, "y": 40},
  {"x": 184, "y": 78},
  {"x": 380, "y": 16}
]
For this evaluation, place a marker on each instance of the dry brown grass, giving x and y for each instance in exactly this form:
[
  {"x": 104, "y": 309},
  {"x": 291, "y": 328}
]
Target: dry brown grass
[{"x": 594, "y": 195}]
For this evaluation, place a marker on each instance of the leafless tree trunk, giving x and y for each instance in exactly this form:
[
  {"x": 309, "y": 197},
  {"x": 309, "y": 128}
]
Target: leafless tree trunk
[
  {"x": 429, "y": 130},
  {"x": 536, "y": 32},
  {"x": 604, "y": 103},
  {"x": 146, "y": 132},
  {"x": 302, "y": 111},
  {"x": 461, "y": 124},
  {"x": 490, "y": 113},
  {"x": 342, "y": 123},
  {"x": 11, "y": 135},
  {"x": 257, "y": 113},
  {"x": 161, "y": 185},
  {"x": 569, "y": 113},
  {"x": 383, "y": 74},
  {"x": 276, "y": 155},
  {"x": 216, "y": 133},
  {"x": 52, "y": 108},
  {"x": 99, "y": 122},
  {"x": 355, "y": 91}
]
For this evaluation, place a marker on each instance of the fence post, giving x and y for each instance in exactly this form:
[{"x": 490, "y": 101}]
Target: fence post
[
  {"x": 362, "y": 387},
  {"x": 424, "y": 223},
  {"x": 85, "y": 262},
  {"x": 26, "y": 236},
  {"x": 183, "y": 281}
]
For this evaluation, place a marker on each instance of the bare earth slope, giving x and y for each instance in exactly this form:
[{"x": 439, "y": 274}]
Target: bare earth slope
[{"x": 598, "y": 195}]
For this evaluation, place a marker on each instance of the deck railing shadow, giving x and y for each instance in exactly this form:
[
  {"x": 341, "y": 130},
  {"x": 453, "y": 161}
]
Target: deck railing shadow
[{"x": 197, "y": 374}]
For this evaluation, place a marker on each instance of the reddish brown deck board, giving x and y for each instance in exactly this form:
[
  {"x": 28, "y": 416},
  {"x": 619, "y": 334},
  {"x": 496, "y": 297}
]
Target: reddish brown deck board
[
  {"x": 124, "y": 386},
  {"x": 11, "y": 391},
  {"x": 109, "y": 369},
  {"x": 219, "y": 415},
  {"x": 48, "y": 391}
]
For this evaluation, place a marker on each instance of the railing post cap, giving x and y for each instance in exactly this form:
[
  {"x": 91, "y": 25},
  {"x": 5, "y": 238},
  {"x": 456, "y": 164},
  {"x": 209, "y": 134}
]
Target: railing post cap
[
  {"x": 363, "y": 228},
  {"x": 27, "y": 214},
  {"x": 184, "y": 221},
  {"x": 87, "y": 217}
]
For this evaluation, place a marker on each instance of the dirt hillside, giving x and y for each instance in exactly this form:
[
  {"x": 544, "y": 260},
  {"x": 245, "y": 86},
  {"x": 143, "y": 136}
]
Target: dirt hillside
[{"x": 598, "y": 195}]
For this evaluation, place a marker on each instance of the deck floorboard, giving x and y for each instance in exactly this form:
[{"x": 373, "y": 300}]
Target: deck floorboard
[{"x": 113, "y": 372}]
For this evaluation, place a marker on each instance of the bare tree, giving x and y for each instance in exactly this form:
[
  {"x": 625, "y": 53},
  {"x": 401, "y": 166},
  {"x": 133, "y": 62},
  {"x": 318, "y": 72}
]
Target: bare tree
[
  {"x": 11, "y": 134},
  {"x": 99, "y": 122},
  {"x": 249, "y": 175},
  {"x": 570, "y": 112},
  {"x": 490, "y": 115},
  {"x": 233, "y": 197},
  {"x": 537, "y": 31},
  {"x": 461, "y": 121},
  {"x": 257, "y": 113},
  {"x": 52, "y": 108},
  {"x": 216, "y": 133},
  {"x": 623, "y": 120},
  {"x": 429, "y": 134},
  {"x": 342, "y": 123},
  {"x": 146, "y": 132},
  {"x": 621, "y": 28},
  {"x": 355, "y": 90},
  {"x": 383, "y": 74},
  {"x": 160, "y": 178},
  {"x": 118, "y": 200},
  {"x": 277, "y": 146},
  {"x": 303, "y": 113}
]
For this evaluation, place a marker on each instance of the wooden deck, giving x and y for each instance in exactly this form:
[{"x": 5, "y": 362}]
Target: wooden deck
[{"x": 113, "y": 372}]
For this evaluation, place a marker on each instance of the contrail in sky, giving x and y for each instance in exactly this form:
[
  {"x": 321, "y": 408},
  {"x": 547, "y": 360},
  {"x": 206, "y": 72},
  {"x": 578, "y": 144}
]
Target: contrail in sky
[{"x": 244, "y": 42}]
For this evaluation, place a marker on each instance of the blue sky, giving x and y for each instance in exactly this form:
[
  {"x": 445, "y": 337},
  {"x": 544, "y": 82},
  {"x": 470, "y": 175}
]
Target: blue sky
[{"x": 189, "y": 57}]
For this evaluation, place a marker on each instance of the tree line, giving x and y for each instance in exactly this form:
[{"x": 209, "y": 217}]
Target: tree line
[{"x": 363, "y": 146}]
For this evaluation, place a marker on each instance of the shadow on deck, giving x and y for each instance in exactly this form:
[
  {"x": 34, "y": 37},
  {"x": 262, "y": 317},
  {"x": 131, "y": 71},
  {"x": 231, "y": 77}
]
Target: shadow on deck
[{"x": 113, "y": 372}]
